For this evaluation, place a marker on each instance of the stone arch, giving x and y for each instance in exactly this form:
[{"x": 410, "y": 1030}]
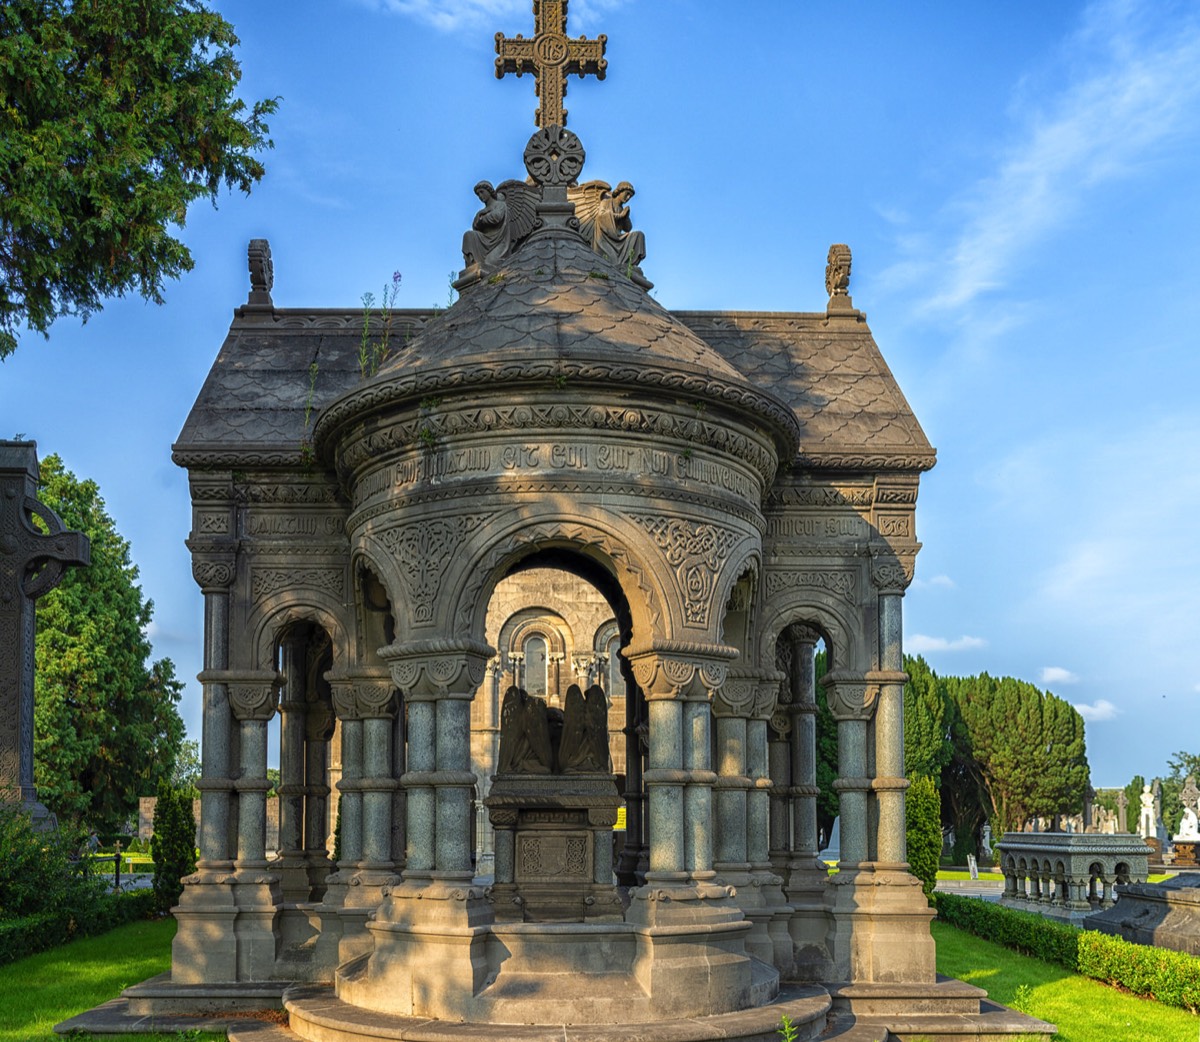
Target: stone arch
[
  {"x": 478, "y": 575},
  {"x": 738, "y": 631},
  {"x": 291, "y": 608},
  {"x": 841, "y": 636},
  {"x": 540, "y": 625}
]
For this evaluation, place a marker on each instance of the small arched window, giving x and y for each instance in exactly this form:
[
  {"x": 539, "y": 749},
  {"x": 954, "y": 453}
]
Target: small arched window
[
  {"x": 536, "y": 661},
  {"x": 616, "y": 681}
]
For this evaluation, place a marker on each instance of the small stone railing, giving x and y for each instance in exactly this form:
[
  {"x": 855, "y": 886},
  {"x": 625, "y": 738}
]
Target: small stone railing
[{"x": 1068, "y": 875}]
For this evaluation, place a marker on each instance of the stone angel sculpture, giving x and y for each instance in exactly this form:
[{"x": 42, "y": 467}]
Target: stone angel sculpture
[
  {"x": 524, "y": 735},
  {"x": 603, "y": 214},
  {"x": 509, "y": 214}
]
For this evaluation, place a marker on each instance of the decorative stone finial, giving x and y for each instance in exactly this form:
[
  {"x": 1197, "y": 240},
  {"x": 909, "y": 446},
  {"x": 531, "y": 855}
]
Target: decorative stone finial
[
  {"x": 262, "y": 273},
  {"x": 551, "y": 56},
  {"x": 837, "y": 271}
]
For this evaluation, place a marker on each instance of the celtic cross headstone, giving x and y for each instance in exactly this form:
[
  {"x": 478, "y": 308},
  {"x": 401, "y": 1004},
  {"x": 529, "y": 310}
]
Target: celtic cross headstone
[{"x": 32, "y": 561}]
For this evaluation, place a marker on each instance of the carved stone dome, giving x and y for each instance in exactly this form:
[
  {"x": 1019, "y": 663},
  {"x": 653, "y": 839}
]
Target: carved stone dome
[{"x": 560, "y": 322}]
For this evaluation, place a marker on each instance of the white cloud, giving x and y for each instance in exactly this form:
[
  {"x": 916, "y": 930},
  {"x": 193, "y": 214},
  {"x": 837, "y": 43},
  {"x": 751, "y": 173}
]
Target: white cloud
[
  {"x": 937, "y": 582},
  {"x": 508, "y": 16},
  {"x": 919, "y": 644},
  {"x": 1058, "y": 675},
  {"x": 1134, "y": 91},
  {"x": 1101, "y": 709}
]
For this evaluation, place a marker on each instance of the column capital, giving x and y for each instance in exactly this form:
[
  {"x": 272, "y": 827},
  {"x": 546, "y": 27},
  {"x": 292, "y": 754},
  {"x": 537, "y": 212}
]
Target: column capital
[
  {"x": 669, "y": 669},
  {"x": 851, "y": 696},
  {"x": 253, "y": 694},
  {"x": 365, "y": 695},
  {"x": 429, "y": 670},
  {"x": 892, "y": 568},
  {"x": 213, "y": 572}
]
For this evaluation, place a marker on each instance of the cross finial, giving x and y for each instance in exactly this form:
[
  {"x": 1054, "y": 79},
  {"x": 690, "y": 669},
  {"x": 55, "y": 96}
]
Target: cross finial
[{"x": 551, "y": 56}]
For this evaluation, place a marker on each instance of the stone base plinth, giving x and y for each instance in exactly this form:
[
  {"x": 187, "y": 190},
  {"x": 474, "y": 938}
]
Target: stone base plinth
[
  {"x": 880, "y": 928},
  {"x": 1185, "y": 854}
]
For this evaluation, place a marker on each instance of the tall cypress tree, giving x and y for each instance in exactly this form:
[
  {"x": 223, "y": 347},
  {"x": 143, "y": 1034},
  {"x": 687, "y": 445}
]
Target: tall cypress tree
[{"x": 106, "y": 726}]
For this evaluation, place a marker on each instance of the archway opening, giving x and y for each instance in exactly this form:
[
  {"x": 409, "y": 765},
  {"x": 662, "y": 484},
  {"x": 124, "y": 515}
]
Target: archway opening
[{"x": 557, "y": 618}]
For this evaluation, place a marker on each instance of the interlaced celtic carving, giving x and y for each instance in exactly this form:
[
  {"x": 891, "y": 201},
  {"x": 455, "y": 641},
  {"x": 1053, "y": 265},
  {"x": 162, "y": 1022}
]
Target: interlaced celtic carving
[
  {"x": 696, "y": 550},
  {"x": 836, "y": 582},
  {"x": 265, "y": 582},
  {"x": 254, "y": 701},
  {"x": 554, "y": 157},
  {"x": 423, "y": 551},
  {"x": 213, "y": 575}
]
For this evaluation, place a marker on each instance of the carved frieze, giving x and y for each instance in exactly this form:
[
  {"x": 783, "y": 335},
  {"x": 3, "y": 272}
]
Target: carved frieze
[
  {"x": 265, "y": 582},
  {"x": 894, "y": 526},
  {"x": 697, "y": 551},
  {"x": 821, "y": 495},
  {"x": 252, "y": 696},
  {"x": 680, "y": 669},
  {"x": 268, "y": 525},
  {"x": 840, "y": 582},
  {"x": 363, "y": 697}
]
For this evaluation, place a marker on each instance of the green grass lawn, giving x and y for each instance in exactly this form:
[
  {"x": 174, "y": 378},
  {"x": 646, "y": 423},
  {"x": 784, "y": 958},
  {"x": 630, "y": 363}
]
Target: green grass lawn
[
  {"x": 44, "y": 989},
  {"x": 47, "y": 988},
  {"x": 1084, "y": 1010}
]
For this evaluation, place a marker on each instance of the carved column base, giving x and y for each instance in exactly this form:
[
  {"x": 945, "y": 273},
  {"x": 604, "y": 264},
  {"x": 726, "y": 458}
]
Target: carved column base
[
  {"x": 227, "y": 928},
  {"x": 692, "y": 951},
  {"x": 880, "y": 928},
  {"x": 428, "y": 953},
  {"x": 292, "y": 869},
  {"x": 808, "y": 926}
]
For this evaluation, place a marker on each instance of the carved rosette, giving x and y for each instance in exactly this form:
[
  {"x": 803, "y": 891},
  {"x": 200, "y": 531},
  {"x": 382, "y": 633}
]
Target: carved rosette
[
  {"x": 554, "y": 157},
  {"x": 892, "y": 570},
  {"x": 252, "y": 695},
  {"x": 364, "y": 696},
  {"x": 670, "y": 669},
  {"x": 433, "y": 669}
]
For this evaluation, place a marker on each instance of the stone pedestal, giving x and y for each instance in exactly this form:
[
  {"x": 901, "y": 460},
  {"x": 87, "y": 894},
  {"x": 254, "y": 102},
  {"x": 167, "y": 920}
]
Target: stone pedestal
[
  {"x": 554, "y": 860},
  {"x": 1185, "y": 854}
]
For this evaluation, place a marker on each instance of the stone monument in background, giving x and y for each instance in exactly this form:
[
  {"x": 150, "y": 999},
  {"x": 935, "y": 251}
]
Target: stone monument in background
[{"x": 31, "y": 564}]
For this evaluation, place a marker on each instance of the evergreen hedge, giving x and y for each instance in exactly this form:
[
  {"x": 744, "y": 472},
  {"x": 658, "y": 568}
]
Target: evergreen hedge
[
  {"x": 1169, "y": 977},
  {"x": 44, "y": 930},
  {"x": 173, "y": 845},
  {"x": 923, "y": 824}
]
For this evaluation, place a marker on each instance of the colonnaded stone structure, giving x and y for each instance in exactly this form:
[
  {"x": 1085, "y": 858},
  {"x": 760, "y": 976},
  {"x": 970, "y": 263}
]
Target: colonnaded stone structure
[{"x": 735, "y": 487}]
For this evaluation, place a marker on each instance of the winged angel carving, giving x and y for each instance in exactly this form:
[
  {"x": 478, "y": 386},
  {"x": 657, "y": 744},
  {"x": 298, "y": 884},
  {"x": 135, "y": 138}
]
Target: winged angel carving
[
  {"x": 603, "y": 213},
  {"x": 509, "y": 214}
]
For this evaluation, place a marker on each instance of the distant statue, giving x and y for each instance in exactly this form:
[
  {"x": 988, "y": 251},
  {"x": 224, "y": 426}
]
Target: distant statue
[
  {"x": 1189, "y": 826},
  {"x": 603, "y": 214},
  {"x": 524, "y": 735},
  {"x": 507, "y": 218},
  {"x": 1146, "y": 816},
  {"x": 584, "y": 747}
]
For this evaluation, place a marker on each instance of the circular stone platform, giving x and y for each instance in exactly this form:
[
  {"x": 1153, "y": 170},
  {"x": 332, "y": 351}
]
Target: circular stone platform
[{"x": 318, "y": 1015}]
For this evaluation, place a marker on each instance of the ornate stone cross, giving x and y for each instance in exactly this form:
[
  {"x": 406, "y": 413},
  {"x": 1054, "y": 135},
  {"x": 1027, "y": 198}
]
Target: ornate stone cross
[
  {"x": 551, "y": 56},
  {"x": 31, "y": 564}
]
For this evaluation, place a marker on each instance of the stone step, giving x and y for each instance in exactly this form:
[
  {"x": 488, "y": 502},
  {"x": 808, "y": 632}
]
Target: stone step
[{"x": 317, "y": 1015}]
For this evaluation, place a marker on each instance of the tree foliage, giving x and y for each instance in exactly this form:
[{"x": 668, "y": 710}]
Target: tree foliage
[
  {"x": 1022, "y": 750},
  {"x": 927, "y": 748},
  {"x": 923, "y": 825},
  {"x": 114, "y": 117},
  {"x": 173, "y": 845},
  {"x": 106, "y": 726}
]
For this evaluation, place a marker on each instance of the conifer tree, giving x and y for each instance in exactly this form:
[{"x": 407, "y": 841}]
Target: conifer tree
[{"x": 173, "y": 845}]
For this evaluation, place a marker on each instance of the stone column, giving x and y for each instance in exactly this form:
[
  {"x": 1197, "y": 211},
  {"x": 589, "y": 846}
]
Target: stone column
[
  {"x": 890, "y": 782},
  {"x": 429, "y": 935},
  {"x": 291, "y": 864},
  {"x": 254, "y": 699},
  {"x": 205, "y": 944},
  {"x": 318, "y": 729},
  {"x": 679, "y": 776},
  {"x": 629, "y": 866}
]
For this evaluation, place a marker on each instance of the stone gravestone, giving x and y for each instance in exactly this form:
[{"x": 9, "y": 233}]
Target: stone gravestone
[
  {"x": 31, "y": 564},
  {"x": 1122, "y": 809}
]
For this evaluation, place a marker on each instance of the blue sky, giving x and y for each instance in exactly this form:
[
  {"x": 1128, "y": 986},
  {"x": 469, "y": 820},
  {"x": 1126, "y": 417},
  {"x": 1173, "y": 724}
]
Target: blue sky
[{"x": 1017, "y": 182}]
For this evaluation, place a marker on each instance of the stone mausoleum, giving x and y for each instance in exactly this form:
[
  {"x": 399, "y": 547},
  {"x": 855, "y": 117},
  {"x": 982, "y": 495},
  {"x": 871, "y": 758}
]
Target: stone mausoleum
[{"x": 549, "y": 559}]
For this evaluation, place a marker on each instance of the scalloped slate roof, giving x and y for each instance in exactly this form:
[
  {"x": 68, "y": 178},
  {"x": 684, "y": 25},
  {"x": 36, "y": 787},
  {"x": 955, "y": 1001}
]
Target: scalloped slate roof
[{"x": 554, "y": 300}]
